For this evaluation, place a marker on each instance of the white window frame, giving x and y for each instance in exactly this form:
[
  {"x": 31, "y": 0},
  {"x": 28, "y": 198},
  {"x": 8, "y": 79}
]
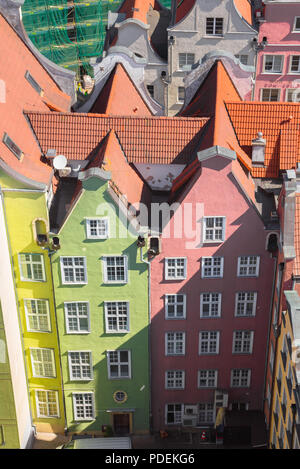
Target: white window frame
[
  {"x": 293, "y": 72},
  {"x": 42, "y": 362},
  {"x": 46, "y": 403},
  {"x": 270, "y": 90},
  {"x": 210, "y": 377},
  {"x": 175, "y": 379},
  {"x": 84, "y": 405},
  {"x": 214, "y": 229},
  {"x": 189, "y": 59},
  {"x": 240, "y": 377},
  {"x": 176, "y": 304},
  {"x": 89, "y": 235},
  {"x": 241, "y": 58},
  {"x": 272, "y": 71},
  {"x": 118, "y": 363},
  {"x": 211, "y": 302},
  {"x": 248, "y": 266},
  {"x": 105, "y": 269},
  {"x": 216, "y": 264},
  {"x": 39, "y": 315},
  {"x": 74, "y": 267},
  {"x": 244, "y": 303},
  {"x": 214, "y": 27},
  {"x": 296, "y": 20},
  {"x": 210, "y": 342},
  {"x": 77, "y": 315},
  {"x": 178, "y": 413},
  {"x": 31, "y": 263},
  {"x": 245, "y": 342},
  {"x": 206, "y": 413},
  {"x": 174, "y": 346},
  {"x": 118, "y": 317},
  {"x": 291, "y": 91},
  {"x": 12, "y": 146},
  {"x": 81, "y": 365},
  {"x": 176, "y": 268}
]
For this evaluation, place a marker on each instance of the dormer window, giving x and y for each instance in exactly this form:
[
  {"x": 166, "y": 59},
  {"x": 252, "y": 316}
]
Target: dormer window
[
  {"x": 12, "y": 146},
  {"x": 214, "y": 26},
  {"x": 34, "y": 83}
]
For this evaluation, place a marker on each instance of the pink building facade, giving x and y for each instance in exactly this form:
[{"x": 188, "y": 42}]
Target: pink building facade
[
  {"x": 210, "y": 299},
  {"x": 278, "y": 63}
]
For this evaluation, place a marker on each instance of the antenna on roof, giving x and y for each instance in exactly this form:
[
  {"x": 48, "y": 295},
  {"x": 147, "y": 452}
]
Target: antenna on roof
[{"x": 60, "y": 162}]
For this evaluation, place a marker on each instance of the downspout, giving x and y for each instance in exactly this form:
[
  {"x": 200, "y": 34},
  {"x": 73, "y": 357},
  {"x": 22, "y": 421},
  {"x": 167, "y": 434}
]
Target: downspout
[
  {"x": 50, "y": 253},
  {"x": 149, "y": 333},
  {"x": 18, "y": 310}
]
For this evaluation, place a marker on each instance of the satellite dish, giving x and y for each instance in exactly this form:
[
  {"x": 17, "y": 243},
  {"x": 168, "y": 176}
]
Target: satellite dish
[{"x": 60, "y": 162}]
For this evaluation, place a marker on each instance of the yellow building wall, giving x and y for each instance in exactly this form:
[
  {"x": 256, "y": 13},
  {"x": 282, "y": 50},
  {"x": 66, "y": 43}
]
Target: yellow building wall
[{"x": 22, "y": 208}]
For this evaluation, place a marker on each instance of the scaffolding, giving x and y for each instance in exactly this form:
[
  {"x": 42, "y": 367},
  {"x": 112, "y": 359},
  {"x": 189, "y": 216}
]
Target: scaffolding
[{"x": 69, "y": 32}]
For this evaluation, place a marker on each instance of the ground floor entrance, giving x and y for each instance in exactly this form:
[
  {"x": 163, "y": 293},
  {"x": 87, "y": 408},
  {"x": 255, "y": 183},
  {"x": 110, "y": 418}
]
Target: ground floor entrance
[{"x": 121, "y": 424}]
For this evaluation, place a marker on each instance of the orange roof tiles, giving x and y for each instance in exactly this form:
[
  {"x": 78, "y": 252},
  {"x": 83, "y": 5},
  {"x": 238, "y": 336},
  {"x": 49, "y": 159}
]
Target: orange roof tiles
[
  {"x": 245, "y": 9},
  {"x": 297, "y": 236},
  {"x": 15, "y": 60},
  {"x": 120, "y": 97},
  {"x": 280, "y": 125},
  {"x": 155, "y": 140},
  {"x": 138, "y": 9}
]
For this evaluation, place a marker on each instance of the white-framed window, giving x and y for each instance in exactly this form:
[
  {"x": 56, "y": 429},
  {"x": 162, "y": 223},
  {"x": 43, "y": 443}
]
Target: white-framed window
[
  {"x": 242, "y": 341},
  {"x": 13, "y": 147},
  {"x": 77, "y": 317},
  {"x": 295, "y": 64},
  {"x": 210, "y": 305},
  {"x": 213, "y": 229},
  {"x": 214, "y": 26},
  {"x": 174, "y": 379},
  {"x": 175, "y": 306},
  {"x": 115, "y": 269},
  {"x": 185, "y": 60},
  {"x": 119, "y": 364},
  {"x": 248, "y": 266},
  {"x": 83, "y": 406},
  {"x": 116, "y": 316},
  {"x": 270, "y": 94},
  {"x": 180, "y": 94},
  {"x": 47, "y": 403},
  {"x": 245, "y": 304},
  {"x": 97, "y": 228},
  {"x": 80, "y": 366},
  {"x": 292, "y": 95},
  {"x": 273, "y": 63},
  {"x": 207, "y": 378},
  {"x": 212, "y": 267},
  {"x": 240, "y": 378},
  {"x": 175, "y": 343},
  {"x": 32, "y": 267},
  {"x": 206, "y": 412},
  {"x": 296, "y": 28},
  {"x": 173, "y": 414},
  {"x": 243, "y": 58},
  {"x": 73, "y": 270},
  {"x": 209, "y": 342},
  {"x": 42, "y": 362},
  {"x": 175, "y": 268},
  {"x": 37, "y": 315}
]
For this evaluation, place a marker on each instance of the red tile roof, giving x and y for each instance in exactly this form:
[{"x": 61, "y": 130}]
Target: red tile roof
[
  {"x": 120, "y": 97},
  {"x": 280, "y": 125},
  {"x": 183, "y": 8},
  {"x": 138, "y": 9},
  {"x": 15, "y": 60},
  {"x": 156, "y": 140}
]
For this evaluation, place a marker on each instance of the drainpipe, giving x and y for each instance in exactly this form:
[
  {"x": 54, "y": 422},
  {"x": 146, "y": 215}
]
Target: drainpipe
[
  {"x": 18, "y": 309},
  {"x": 149, "y": 333},
  {"x": 50, "y": 254}
]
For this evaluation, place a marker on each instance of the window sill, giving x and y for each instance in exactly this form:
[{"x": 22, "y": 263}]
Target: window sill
[
  {"x": 213, "y": 36},
  {"x": 272, "y": 73}
]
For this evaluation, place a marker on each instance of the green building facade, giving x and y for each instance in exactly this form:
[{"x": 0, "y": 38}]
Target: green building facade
[{"x": 101, "y": 294}]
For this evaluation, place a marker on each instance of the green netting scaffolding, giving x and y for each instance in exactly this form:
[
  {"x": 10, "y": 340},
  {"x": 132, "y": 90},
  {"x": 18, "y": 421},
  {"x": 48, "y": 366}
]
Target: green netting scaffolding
[{"x": 69, "y": 32}]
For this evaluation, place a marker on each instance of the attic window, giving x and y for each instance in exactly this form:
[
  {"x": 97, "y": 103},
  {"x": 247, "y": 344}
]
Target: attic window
[
  {"x": 33, "y": 83},
  {"x": 214, "y": 26},
  {"x": 12, "y": 146}
]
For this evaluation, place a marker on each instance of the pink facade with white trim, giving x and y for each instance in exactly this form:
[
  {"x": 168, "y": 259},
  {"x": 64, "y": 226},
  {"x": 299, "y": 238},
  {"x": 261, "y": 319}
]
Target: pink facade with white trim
[
  {"x": 214, "y": 186},
  {"x": 280, "y": 25}
]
